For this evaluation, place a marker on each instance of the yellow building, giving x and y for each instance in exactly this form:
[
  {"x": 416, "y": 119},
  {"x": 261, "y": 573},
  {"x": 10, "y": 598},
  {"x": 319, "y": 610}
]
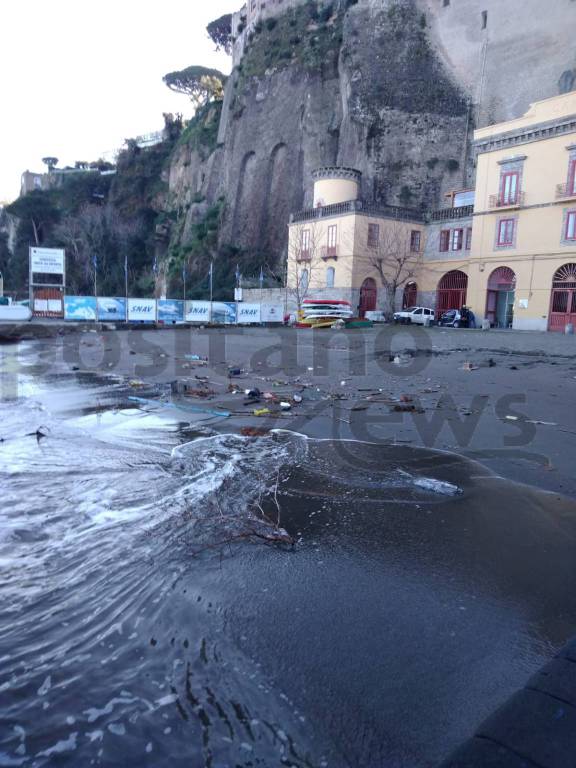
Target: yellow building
[
  {"x": 520, "y": 270},
  {"x": 340, "y": 247},
  {"x": 507, "y": 249}
]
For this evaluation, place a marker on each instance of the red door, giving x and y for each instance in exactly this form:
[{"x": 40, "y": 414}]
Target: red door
[
  {"x": 368, "y": 296},
  {"x": 563, "y": 302},
  {"x": 452, "y": 290}
]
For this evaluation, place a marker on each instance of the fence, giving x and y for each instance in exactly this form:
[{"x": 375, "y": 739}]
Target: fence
[{"x": 169, "y": 311}]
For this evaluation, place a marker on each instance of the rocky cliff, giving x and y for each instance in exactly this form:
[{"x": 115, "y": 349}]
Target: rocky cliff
[{"x": 373, "y": 84}]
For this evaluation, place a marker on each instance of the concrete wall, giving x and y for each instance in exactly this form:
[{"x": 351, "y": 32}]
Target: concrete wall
[
  {"x": 521, "y": 37},
  {"x": 331, "y": 191}
]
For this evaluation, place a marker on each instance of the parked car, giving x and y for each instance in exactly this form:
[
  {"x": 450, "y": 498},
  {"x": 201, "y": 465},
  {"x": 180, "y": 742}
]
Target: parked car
[
  {"x": 416, "y": 315},
  {"x": 453, "y": 319},
  {"x": 450, "y": 319}
]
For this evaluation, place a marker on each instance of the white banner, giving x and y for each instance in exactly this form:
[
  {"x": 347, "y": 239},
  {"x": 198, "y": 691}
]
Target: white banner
[
  {"x": 48, "y": 261},
  {"x": 197, "y": 312},
  {"x": 142, "y": 310},
  {"x": 272, "y": 313},
  {"x": 248, "y": 313}
]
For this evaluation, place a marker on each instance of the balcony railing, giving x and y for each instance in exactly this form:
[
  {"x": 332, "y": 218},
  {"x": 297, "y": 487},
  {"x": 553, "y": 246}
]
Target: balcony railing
[
  {"x": 565, "y": 191},
  {"x": 304, "y": 256},
  {"x": 359, "y": 206},
  {"x": 329, "y": 252},
  {"x": 499, "y": 201},
  {"x": 448, "y": 214}
]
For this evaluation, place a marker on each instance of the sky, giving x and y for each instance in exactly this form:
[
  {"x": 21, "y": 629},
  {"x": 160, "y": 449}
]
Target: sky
[{"x": 77, "y": 77}]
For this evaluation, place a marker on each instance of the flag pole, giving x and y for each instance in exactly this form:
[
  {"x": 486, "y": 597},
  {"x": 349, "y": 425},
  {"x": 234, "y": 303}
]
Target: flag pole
[{"x": 211, "y": 289}]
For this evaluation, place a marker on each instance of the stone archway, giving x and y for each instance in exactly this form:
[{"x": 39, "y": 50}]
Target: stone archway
[
  {"x": 563, "y": 299},
  {"x": 452, "y": 291},
  {"x": 500, "y": 297}
]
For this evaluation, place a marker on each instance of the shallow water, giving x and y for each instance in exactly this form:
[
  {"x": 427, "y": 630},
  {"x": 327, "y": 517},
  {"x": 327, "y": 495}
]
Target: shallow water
[{"x": 141, "y": 625}]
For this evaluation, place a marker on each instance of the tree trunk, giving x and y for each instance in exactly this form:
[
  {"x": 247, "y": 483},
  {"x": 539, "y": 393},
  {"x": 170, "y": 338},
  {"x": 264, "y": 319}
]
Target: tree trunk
[{"x": 390, "y": 300}]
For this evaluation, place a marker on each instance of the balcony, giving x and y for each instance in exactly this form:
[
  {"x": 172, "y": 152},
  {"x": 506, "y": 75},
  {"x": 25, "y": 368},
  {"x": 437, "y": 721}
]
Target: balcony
[
  {"x": 448, "y": 214},
  {"x": 379, "y": 210},
  {"x": 565, "y": 191},
  {"x": 499, "y": 201},
  {"x": 303, "y": 256},
  {"x": 329, "y": 252}
]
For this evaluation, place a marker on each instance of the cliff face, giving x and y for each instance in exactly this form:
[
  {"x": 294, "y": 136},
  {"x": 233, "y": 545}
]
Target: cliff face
[{"x": 373, "y": 84}]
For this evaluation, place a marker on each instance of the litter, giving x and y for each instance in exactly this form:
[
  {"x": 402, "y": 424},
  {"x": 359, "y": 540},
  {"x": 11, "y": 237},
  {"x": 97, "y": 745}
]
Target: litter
[
  {"x": 297, "y": 398},
  {"x": 285, "y": 406},
  {"x": 254, "y": 432},
  {"x": 262, "y": 412},
  {"x": 437, "y": 486},
  {"x": 234, "y": 372},
  {"x": 196, "y": 358},
  {"x": 136, "y": 383},
  {"x": 469, "y": 367},
  {"x": 183, "y": 406}
]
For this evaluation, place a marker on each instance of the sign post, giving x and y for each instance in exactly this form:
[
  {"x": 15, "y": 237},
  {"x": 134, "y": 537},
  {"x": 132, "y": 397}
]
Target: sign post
[{"x": 47, "y": 270}]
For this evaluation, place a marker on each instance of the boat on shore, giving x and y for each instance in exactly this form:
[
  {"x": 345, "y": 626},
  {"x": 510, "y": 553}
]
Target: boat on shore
[{"x": 324, "y": 313}]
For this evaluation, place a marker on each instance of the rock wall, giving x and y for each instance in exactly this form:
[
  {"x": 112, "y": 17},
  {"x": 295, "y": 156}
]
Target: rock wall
[{"x": 394, "y": 88}]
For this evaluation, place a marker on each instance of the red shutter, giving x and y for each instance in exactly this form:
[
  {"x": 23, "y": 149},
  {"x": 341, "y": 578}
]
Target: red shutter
[{"x": 572, "y": 176}]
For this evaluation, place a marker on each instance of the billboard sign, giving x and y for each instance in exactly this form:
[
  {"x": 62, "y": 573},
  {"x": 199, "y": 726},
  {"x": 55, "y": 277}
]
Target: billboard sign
[
  {"x": 170, "y": 311},
  {"x": 224, "y": 312},
  {"x": 197, "y": 311},
  {"x": 47, "y": 261},
  {"x": 142, "y": 310},
  {"x": 80, "y": 308},
  {"x": 248, "y": 313},
  {"x": 272, "y": 313},
  {"x": 111, "y": 309}
]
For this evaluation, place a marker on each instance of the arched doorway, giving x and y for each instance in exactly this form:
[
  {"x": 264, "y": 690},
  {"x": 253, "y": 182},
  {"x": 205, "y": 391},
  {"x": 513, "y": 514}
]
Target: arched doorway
[
  {"x": 410, "y": 298},
  {"x": 563, "y": 302},
  {"x": 368, "y": 296},
  {"x": 452, "y": 290},
  {"x": 500, "y": 297}
]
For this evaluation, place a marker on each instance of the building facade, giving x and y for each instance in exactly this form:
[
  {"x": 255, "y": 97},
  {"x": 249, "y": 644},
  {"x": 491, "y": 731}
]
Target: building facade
[
  {"x": 519, "y": 269},
  {"x": 341, "y": 247},
  {"x": 507, "y": 249}
]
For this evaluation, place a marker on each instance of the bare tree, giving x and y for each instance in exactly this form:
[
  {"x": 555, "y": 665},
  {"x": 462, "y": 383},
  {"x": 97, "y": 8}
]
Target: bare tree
[
  {"x": 304, "y": 260},
  {"x": 96, "y": 235},
  {"x": 396, "y": 257}
]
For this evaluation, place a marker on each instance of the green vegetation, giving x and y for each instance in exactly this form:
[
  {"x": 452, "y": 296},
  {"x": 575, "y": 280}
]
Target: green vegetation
[
  {"x": 200, "y": 84},
  {"x": 201, "y": 132},
  {"x": 220, "y": 32},
  {"x": 309, "y": 36}
]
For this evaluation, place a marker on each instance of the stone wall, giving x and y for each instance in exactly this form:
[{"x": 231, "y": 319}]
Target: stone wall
[{"x": 396, "y": 91}]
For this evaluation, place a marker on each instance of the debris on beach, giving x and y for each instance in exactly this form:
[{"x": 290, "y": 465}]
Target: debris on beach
[{"x": 436, "y": 486}]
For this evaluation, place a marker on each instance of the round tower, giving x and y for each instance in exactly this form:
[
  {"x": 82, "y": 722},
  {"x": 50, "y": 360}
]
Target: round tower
[{"x": 335, "y": 184}]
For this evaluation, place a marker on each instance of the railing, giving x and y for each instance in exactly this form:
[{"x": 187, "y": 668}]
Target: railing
[
  {"x": 329, "y": 252},
  {"x": 564, "y": 191},
  {"x": 498, "y": 201},
  {"x": 448, "y": 214},
  {"x": 359, "y": 206},
  {"x": 304, "y": 256}
]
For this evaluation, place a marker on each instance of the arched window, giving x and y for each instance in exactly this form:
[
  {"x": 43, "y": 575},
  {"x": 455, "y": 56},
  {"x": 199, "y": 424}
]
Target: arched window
[
  {"x": 330, "y": 273},
  {"x": 304, "y": 280}
]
